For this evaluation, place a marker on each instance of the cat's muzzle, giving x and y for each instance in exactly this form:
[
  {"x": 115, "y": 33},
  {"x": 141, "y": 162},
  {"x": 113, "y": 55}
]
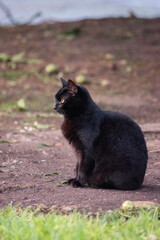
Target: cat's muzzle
[
  {"x": 55, "y": 106},
  {"x": 58, "y": 109}
]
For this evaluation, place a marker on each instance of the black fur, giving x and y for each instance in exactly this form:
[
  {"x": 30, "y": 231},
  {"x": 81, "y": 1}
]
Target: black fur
[{"x": 110, "y": 146}]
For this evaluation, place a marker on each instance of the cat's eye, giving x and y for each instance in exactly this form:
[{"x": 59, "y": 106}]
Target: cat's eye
[{"x": 62, "y": 100}]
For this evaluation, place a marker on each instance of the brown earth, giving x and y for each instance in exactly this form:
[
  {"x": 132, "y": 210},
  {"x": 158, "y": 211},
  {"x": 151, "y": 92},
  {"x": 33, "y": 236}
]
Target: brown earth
[{"x": 35, "y": 160}]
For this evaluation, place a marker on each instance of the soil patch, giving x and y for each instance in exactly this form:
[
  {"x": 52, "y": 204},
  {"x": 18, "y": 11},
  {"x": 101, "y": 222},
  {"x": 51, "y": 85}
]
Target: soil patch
[{"x": 35, "y": 167}]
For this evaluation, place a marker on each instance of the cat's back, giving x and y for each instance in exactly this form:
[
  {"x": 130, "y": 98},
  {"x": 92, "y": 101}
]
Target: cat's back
[
  {"x": 117, "y": 120},
  {"x": 120, "y": 130}
]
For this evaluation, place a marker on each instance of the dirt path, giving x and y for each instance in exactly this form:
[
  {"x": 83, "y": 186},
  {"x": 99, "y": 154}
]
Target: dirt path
[{"x": 36, "y": 164}]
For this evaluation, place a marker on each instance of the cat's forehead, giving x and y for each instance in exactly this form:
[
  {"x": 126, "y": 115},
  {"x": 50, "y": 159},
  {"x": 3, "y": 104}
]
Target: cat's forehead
[{"x": 61, "y": 92}]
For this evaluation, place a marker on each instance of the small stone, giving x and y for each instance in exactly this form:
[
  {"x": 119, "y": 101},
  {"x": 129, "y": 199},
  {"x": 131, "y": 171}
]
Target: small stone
[
  {"x": 109, "y": 57},
  {"x": 105, "y": 83},
  {"x": 128, "y": 69},
  {"x": 123, "y": 62},
  {"x": 67, "y": 209}
]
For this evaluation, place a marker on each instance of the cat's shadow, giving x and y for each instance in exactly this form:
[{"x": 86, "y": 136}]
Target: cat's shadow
[{"x": 150, "y": 188}]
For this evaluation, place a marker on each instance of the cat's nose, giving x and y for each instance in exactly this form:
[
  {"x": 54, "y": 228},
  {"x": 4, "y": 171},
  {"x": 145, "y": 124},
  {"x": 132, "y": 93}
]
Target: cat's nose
[{"x": 55, "y": 107}]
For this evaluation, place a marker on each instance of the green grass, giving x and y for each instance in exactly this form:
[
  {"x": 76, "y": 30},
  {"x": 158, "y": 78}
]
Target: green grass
[
  {"x": 26, "y": 224},
  {"x": 7, "y": 106},
  {"x": 15, "y": 75}
]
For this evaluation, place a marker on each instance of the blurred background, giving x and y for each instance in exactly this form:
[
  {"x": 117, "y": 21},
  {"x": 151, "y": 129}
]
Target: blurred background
[
  {"x": 72, "y": 10},
  {"x": 111, "y": 47}
]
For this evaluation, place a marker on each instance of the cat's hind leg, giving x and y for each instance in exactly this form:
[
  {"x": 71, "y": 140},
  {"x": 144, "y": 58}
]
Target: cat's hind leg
[
  {"x": 121, "y": 180},
  {"x": 114, "y": 180}
]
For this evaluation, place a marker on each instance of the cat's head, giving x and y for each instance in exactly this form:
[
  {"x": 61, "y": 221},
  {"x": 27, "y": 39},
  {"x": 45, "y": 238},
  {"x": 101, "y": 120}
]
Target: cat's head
[{"x": 71, "y": 99}]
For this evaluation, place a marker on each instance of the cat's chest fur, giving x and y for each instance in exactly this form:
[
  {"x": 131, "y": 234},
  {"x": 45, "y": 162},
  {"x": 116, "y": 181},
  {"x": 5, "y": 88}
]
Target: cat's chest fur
[{"x": 83, "y": 131}]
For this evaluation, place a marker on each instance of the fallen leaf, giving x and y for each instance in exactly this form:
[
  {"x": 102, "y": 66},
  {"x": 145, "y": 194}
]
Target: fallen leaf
[
  {"x": 21, "y": 104},
  {"x": 51, "y": 174},
  {"x": 9, "y": 142},
  {"x": 18, "y": 58},
  {"x": 58, "y": 144},
  {"x": 157, "y": 163},
  {"x": 80, "y": 79},
  {"x": 40, "y": 126},
  {"x": 49, "y": 180},
  {"x": 33, "y": 61},
  {"x": 4, "y": 57},
  {"x": 43, "y": 145},
  {"x": 4, "y": 141},
  {"x": 4, "y": 170},
  {"x": 62, "y": 184},
  {"x": 129, "y": 205},
  {"x": 51, "y": 68}
]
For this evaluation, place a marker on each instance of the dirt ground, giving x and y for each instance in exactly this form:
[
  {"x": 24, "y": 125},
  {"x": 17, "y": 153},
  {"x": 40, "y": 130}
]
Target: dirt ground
[{"x": 120, "y": 59}]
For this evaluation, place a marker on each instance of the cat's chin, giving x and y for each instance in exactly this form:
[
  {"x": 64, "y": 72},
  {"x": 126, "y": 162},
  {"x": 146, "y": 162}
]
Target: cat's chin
[{"x": 60, "y": 111}]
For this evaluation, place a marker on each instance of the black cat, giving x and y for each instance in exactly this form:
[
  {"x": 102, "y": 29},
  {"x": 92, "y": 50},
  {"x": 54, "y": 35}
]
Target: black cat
[{"x": 110, "y": 147}]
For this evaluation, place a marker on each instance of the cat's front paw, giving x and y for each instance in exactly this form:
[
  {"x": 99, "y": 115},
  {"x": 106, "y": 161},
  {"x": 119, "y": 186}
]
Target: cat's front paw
[
  {"x": 71, "y": 180},
  {"x": 74, "y": 183}
]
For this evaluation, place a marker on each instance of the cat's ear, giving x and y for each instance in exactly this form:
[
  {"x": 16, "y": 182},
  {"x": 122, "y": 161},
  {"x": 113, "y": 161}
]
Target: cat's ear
[
  {"x": 64, "y": 83},
  {"x": 72, "y": 87}
]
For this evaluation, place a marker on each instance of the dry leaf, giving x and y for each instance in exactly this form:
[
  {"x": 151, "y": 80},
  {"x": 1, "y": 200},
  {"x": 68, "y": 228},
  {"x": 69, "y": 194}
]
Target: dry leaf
[
  {"x": 157, "y": 163},
  {"x": 137, "y": 204},
  {"x": 58, "y": 144}
]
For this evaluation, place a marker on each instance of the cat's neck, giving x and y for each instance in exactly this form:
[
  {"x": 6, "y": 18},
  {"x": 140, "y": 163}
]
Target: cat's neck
[{"x": 83, "y": 114}]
